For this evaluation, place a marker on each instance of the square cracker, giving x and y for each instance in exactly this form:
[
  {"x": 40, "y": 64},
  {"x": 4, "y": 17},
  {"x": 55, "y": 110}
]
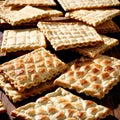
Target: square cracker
[
  {"x": 29, "y": 2},
  {"x": 24, "y": 15},
  {"x": 94, "y": 17},
  {"x": 22, "y": 39},
  {"x": 16, "y": 96},
  {"x": 32, "y": 69},
  {"x": 94, "y": 77},
  {"x": 66, "y": 35},
  {"x": 108, "y": 27},
  {"x": 96, "y": 50},
  {"x": 2, "y": 107},
  {"x": 69, "y": 5},
  {"x": 61, "y": 105}
]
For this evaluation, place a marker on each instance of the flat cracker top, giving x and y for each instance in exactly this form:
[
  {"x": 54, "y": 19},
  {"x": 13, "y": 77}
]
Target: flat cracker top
[
  {"x": 29, "y": 2},
  {"x": 94, "y": 17},
  {"x": 65, "y": 35},
  {"x": 61, "y": 105},
  {"x": 94, "y": 77},
  {"x": 93, "y": 51},
  {"x": 24, "y": 15},
  {"x": 69, "y": 5},
  {"x": 32, "y": 69},
  {"x": 22, "y": 39}
]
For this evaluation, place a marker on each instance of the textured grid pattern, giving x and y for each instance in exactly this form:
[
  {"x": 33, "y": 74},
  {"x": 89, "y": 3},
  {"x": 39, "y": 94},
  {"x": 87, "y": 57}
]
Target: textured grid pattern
[
  {"x": 61, "y": 105},
  {"x": 24, "y": 15},
  {"x": 22, "y": 39},
  {"x": 94, "y": 17},
  {"x": 94, "y": 77},
  {"x": 29, "y": 2},
  {"x": 96, "y": 50},
  {"x": 78, "y": 4},
  {"x": 32, "y": 69},
  {"x": 16, "y": 96},
  {"x": 69, "y": 35}
]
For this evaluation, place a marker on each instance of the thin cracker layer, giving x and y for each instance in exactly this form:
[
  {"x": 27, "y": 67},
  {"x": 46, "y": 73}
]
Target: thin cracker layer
[
  {"x": 63, "y": 105},
  {"x": 94, "y": 77}
]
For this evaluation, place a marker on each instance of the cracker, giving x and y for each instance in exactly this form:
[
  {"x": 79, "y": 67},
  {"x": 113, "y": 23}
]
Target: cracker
[
  {"x": 93, "y": 77},
  {"x": 16, "y": 96},
  {"x": 22, "y": 39},
  {"x": 69, "y": 5},
  {"x": 94, "y": 17},
  {"x": 108, "y": 27},
  {"x": 24, "y": 15},
  {"x": 96, "y": 50},
  {"x": 30, "y": 2},
  {"x": 66, "y": 35},
  {"x": 61, "y": 105},
  {"x": 2, "y": 107},
  {"x": 32, "y": 69}
]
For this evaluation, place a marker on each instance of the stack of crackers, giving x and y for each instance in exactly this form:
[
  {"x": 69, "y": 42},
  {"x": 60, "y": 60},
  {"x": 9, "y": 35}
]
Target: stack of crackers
[{"x": 79, "y": 27}]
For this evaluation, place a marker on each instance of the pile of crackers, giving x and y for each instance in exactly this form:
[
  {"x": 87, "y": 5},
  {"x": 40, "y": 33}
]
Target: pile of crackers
[{"x": 45, "y": 27}]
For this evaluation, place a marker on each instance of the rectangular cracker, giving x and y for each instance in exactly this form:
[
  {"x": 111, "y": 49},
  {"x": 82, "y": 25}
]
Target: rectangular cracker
[
  {"x": 17, "y": 96},
  {"x": 61, "y": 105},
  {"x": 66, "y": 35},
  {"x": 94, "y": 17},
  {"x": 93, "y": 77},
  {"x": 24, "y": 15},
  {"x": 69, "y": 5},
  {"x": 2, "y": 107},
  {"x": 22, "y": 39},
  {"x": 99, "y": 49},
  {"x": 29, "y": 2},
  {"x": 108, "y": 27},
  {"x": 32, "y": 69}
]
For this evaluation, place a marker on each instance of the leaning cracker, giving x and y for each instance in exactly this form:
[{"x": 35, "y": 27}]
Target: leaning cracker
[
  {"x": 61, "y": 105},
  {"x": 94, "y": 17},
  {"x": 94, "y": 77},
  {"x": 16, "y": 96},
  {"x": 69, "y": 5},
  {"x": 65, "y": 35},
  {"x": 2, "y": 107},
  {"x": 96, "y": 50},
  {"x": 32, "y": 69},
  {"x": 22, "y": 39},
  {"x": 108, "y": 27},
  {"x": 24, "y": 15},
  {"x": 29, "y": 2}
]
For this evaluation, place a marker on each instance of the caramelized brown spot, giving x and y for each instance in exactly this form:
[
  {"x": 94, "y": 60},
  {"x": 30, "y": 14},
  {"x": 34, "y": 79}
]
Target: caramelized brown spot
[
  {"x": 31, "y": 70},
  {"x": 96, "y": 86},
  {"x": 67, "y": 105},
  {"x": 89, "y": 103},
  {"x": 105, "y": 75},
  {"x": 83, "y": 81},
  {"x": 43, "y": 100},
  {"x": 95, "y": 70},
  {"x": 51, "y": 109},
  {"x": 80, "y": 73},
  {"x": 106, "y": 61},
  {"x": 59, "y": 115},
  {"x": 70, "y": 73},
  {"x": 80, "y": 114},
  {"x": 93, "y": 78},
  {"x": 29, "y": 59},
  {"x": 108, "y": 68}
]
